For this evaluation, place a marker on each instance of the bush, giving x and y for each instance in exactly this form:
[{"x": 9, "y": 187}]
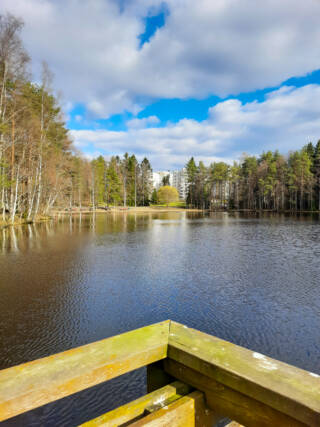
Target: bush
[{"x": 167, "y": 194}]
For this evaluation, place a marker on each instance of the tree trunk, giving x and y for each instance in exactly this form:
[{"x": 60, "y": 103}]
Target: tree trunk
[{"x": 14, "y": 206}]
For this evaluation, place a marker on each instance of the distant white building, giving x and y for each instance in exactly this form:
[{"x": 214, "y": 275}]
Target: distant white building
[
  {"x": 177, "y": 179},
  {"x": 157, "y": 178}
]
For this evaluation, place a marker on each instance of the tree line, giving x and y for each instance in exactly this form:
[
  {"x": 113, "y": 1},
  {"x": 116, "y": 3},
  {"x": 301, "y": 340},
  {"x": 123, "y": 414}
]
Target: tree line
[
  {"x": 271, "y": 181},
  {"x": 121, "y": 181},
  {"x": 39, "y": 167}
]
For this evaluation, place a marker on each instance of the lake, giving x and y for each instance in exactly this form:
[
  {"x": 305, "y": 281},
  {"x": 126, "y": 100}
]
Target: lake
[{"x": 253, "y": 280}]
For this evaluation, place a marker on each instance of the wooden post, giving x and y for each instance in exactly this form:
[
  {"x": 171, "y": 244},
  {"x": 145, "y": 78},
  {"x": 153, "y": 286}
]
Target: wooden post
[{"x": 157, "y": 377}]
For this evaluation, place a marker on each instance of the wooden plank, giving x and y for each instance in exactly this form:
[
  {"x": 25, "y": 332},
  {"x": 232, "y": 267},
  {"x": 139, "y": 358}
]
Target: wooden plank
[
  {"x": 287, "y": 389},
  {"x": 227, "y": 402},
  {"x": 149, "y": 402},
  {"x": 189, "y": 411},
  {"x": 36, "y": 383}
]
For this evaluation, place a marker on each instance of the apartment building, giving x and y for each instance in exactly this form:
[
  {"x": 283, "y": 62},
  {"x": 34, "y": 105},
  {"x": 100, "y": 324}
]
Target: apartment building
[{"x": 177, "y": 179}]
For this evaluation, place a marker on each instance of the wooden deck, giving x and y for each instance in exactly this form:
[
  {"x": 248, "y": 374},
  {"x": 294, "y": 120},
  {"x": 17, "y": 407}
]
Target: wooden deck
[{"x": 194, "y": 379}]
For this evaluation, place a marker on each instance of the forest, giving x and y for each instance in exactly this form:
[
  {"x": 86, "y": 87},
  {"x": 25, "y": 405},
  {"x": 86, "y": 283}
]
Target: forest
[{"x": 271, "y": 181}]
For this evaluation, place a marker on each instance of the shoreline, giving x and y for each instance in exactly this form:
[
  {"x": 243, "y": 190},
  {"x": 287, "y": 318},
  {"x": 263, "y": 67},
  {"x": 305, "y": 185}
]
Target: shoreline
[
  {"x": 129, "y": 209},
  {"x": 162, "y": 209}
]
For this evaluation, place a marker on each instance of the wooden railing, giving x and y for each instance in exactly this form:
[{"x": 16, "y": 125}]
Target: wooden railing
[{"x": 193, "y": 379}]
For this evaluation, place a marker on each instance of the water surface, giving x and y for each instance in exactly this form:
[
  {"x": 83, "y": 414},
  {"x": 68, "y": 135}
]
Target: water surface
[{"x": 247, "y": 279}]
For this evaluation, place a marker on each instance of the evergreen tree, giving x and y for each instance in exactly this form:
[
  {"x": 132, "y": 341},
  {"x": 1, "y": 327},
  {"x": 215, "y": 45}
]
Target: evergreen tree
[
  {"x": 191, "y": 175},
  {"x": 154, "y": 197}
]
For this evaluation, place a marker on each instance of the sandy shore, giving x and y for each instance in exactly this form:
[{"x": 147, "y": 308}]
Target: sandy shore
[{"x": 139, "y": 209}]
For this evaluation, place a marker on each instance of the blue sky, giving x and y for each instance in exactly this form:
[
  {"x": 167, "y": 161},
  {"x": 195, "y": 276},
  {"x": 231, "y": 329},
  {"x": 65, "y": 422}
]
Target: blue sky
[
  {"x": 173, "y": 110},
  {"x": 178, "y": 78}
]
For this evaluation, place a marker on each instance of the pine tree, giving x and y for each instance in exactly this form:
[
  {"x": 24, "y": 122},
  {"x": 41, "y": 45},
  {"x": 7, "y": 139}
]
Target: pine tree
[{"x": 191, "y": 174}]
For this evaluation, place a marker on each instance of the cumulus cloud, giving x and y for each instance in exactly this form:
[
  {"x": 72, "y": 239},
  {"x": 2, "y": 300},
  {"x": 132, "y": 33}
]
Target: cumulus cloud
[
  {"x": 285, "y": 120},
  {"x": 205, "y": 47}
]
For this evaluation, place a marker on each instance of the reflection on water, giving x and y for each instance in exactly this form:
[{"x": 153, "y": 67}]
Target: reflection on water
[{"x": 251, "y": 280}]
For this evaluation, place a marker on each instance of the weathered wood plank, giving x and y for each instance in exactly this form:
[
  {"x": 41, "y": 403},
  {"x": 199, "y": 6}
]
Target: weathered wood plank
[
  {"x": 227, "y": 402},
  {"x": 36, "y": 383},
  {"x": 287, "y": 389},
  {"x": 189, "y": 411},
  {"x": 134, "y": 409}
]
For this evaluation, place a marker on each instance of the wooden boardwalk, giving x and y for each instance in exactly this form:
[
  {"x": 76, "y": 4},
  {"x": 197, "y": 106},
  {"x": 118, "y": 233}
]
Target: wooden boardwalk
[{"x": 193, "y": 379}]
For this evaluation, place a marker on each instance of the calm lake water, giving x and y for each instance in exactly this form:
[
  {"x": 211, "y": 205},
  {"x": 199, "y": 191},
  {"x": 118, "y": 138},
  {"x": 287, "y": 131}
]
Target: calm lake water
[{"x": 251, "y": 280}]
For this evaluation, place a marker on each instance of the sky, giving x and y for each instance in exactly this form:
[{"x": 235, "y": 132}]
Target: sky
[{"x": 168, "y": 80}]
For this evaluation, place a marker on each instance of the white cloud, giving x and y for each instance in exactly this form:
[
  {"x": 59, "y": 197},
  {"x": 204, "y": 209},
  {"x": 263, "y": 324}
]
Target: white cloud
[
  {"x": 286, "y": 120},
  {"x": 142, "y": 123},
  {"x": 221, "y": 47}
]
